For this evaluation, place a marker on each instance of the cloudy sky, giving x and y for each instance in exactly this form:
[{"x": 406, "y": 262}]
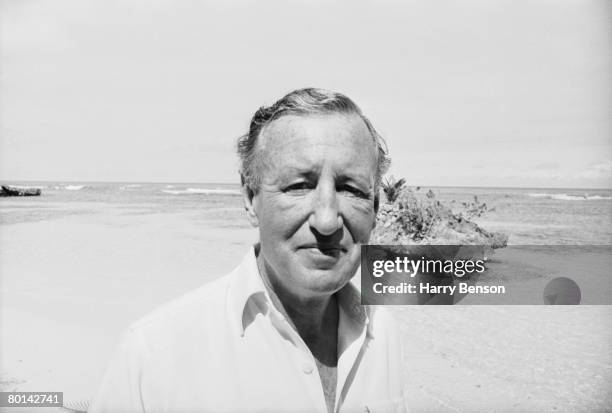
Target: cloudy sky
[{"x": 472, "y": 93}]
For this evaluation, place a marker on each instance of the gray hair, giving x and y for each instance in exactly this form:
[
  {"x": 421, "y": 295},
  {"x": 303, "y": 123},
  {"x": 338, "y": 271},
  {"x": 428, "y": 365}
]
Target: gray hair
[{"x": 301, "y": 102}]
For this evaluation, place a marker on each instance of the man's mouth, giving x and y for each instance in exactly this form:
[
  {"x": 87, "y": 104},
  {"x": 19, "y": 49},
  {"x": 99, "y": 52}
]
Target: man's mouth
[{"x": 332, "y": 250}]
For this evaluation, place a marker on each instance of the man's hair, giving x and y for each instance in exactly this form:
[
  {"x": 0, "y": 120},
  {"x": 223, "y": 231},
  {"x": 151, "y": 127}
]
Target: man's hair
[{"x": 301, "y": 102}]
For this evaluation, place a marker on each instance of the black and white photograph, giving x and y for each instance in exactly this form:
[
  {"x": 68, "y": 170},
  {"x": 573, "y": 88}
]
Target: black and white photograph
[{"x": 305, "y": 206}]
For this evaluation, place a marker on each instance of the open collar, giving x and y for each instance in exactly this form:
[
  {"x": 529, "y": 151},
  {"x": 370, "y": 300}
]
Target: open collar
[{"x": 246, "y": 284}]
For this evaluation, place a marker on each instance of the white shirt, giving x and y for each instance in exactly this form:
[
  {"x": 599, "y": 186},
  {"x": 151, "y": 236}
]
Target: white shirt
[{"x": 225, "y": 348}]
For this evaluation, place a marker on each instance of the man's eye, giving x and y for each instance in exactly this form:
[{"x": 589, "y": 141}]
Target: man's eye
[
  {"x": 299, "y": 186},
  {"x": 352, "y": 190}
]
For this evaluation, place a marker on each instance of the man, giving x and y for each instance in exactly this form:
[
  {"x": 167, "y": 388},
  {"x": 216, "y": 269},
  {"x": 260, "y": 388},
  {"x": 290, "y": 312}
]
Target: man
[{"x": 284, "y": 331}]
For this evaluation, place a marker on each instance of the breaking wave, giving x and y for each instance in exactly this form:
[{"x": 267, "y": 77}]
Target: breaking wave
[
  {"x": 568, "y": 197},
  {"x": 129, "y": 186},
  {"x": 75, "y": 187},
  {"x": 201, "y": 191}
]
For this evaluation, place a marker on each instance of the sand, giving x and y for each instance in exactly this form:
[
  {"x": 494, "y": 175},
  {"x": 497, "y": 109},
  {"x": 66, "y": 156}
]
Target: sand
[
  {"x": 70, "y": 285},
  {"x": 508, "y": 358}
]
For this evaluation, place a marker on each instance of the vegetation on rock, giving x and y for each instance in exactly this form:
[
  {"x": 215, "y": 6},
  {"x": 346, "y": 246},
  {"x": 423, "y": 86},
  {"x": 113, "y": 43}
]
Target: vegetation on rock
[
  {"x": 406, "y": 219},
  {"x": 392, "y": 188}
]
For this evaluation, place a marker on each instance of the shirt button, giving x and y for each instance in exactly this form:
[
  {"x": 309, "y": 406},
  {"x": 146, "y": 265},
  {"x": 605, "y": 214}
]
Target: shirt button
[{"x": 307, "y": 367}]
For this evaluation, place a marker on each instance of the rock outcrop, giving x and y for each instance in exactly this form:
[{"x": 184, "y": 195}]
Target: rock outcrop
[
  {"x": 410, "y": 220},
  {"x": 6, "y": 190}
]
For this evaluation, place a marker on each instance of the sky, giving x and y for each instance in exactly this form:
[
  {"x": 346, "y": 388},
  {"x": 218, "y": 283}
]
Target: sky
[{"x": 471, "y": 93}]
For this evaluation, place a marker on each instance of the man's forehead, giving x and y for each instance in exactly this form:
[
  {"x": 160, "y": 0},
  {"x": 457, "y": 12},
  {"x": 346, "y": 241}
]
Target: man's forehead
[
  {"x": 328, "y": 129},
  {"x": 303, "y": 145}
]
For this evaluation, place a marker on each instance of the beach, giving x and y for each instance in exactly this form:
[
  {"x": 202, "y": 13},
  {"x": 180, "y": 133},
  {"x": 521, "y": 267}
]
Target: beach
[{"x": 76, "y": 270}]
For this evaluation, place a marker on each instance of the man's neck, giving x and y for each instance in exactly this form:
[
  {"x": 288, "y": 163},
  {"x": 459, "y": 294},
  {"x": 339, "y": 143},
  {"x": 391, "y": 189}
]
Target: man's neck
[
  {"x": 315, "y": 321},
  {"x": 310, "y": 317}
]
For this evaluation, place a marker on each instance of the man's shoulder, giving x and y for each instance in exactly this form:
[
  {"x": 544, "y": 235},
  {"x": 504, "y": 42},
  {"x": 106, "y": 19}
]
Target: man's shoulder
[{"x": 187, "y": 311}]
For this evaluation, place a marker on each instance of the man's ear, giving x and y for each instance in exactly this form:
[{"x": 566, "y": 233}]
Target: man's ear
[{"x": 248, "y": 197}]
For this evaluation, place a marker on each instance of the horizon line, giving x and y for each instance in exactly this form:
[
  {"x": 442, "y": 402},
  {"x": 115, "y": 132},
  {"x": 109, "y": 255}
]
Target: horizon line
[{"x": 6, "y": 182}]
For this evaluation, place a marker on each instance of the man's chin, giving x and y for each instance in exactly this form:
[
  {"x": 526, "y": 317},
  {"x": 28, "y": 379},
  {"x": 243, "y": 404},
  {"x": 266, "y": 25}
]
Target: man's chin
[{"x": 327, "y": 280}]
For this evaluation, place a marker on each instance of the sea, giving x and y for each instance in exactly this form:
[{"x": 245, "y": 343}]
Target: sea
[{"x": 529, "y": 216}]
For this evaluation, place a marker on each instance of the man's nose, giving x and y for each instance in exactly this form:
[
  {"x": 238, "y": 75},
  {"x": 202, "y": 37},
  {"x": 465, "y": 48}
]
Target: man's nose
[{"x": 325, "y": 217}]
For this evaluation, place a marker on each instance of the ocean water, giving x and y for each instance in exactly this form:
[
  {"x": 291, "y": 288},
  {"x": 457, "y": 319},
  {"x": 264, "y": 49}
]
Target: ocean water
[{"x": 528, "y": 216}]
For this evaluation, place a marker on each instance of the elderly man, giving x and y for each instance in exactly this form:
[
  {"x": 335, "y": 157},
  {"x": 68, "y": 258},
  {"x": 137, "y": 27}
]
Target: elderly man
[{"x": 285, "y": 330}]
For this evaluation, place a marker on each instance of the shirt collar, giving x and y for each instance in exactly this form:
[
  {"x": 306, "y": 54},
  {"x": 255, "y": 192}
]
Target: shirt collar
[{"x": 245, "y": 284}]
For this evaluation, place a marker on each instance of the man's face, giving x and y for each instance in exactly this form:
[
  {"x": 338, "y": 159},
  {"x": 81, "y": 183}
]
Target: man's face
[{"x": 316, "y": 201}]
